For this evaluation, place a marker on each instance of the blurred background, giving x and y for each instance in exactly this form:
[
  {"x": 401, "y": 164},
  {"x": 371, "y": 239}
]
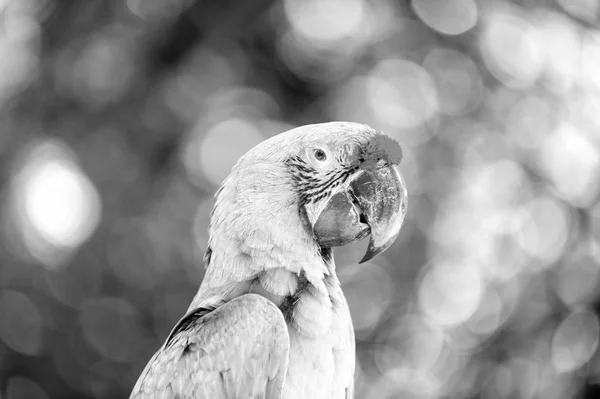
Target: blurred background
[{"x": 119, "y": 120}]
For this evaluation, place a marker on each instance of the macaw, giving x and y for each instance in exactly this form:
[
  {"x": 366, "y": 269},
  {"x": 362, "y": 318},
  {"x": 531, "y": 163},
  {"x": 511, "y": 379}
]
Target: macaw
[{"x": 270, "y": 319}]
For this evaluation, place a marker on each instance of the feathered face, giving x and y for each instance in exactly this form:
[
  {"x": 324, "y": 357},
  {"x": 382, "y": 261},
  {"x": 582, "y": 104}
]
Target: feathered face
[{"x": 346, "y": 180}]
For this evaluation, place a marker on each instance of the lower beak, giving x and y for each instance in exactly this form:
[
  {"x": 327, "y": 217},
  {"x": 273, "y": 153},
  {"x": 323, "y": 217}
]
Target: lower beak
[{"x": 373, "y": 203}]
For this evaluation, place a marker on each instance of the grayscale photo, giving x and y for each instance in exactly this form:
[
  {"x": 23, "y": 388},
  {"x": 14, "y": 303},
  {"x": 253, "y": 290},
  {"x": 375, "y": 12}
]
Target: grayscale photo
[{"x": 299, "y": 199}]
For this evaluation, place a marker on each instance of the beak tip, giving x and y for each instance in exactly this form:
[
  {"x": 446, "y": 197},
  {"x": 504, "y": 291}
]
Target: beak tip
[
  {"x": 373, "y": 250},
  {"x": 365, "y": 258}
]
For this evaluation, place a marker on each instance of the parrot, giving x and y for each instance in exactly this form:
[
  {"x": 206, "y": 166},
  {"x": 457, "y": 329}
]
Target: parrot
[{"x": 269, "y": 319}]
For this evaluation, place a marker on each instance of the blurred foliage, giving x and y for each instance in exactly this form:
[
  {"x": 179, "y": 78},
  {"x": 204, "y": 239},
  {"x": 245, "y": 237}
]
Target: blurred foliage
[{"x": 119, "y": 119}]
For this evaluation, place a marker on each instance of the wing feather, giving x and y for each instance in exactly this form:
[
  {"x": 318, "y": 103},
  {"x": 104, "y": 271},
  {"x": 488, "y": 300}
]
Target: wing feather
[{"x": 238, "y": 350}]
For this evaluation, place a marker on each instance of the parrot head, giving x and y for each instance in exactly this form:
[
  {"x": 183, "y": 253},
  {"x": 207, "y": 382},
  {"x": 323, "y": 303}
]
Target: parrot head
[{"x": 345, "y": 181}]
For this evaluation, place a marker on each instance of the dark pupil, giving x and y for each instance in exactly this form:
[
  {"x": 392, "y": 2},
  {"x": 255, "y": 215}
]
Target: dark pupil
[{"x": 320, "y": 155}]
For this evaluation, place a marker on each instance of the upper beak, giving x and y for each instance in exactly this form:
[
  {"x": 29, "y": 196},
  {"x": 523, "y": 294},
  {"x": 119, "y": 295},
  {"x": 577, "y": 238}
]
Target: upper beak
[{"x": 373, "y": 202}]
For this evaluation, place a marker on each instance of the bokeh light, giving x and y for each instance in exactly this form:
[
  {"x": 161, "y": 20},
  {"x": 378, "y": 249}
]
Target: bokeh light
[
  {"x": 366, "y": 312},
  {"x": 450, "y": 293},
  {"x": 575, "y": 341},
  {"x": 19, "y": 45},
  {"x": 22, "y": 323},
  {"x": 457, "y": 78},
  {"x": 512, "y": 49},
  {"x": 219, "y": 147},
  {"x": 451, "y": 17},
  {"x": 120, "y": 120},
  {"x": 54, "y": 205},
  {"x": 19, "y": 387}
]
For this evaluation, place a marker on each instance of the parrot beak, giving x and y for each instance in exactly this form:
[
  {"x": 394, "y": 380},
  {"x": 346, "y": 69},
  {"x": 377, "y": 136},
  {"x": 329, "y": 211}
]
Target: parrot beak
[{"x": 373, "y": 202}]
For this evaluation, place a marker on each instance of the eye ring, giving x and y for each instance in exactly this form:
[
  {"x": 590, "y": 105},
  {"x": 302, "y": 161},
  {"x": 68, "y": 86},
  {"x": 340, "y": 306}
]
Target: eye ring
[{"x": 320, "y": 155}]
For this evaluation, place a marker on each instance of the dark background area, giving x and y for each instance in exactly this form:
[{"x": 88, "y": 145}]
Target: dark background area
[{"x": 119, "y": 120}]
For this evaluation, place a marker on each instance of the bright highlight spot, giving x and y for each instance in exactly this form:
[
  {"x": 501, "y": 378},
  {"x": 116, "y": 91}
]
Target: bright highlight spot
[
  {"x": 562, "y": 50},
  {"x": 544, "y": 233},
  {"x": 402, "y": 93},
  {"x": 450, "y": 17},
  {"x": 575, "y": 341},
  {"x": 590, "y": 59},
  {"x": 19, "y": 51},
  {"x": 325, "y": 20},
  {"x": 214, "y": 151},
  {"x": 450, "y": 293},
  {"x": 457, "y": 79},
  {"x": 57, "y": 207},
  {"x": 488, "y": 317},
  {"x": 511, "y": 50},
  {"x": 322, "y": 38},
  {"x": 572, "y": 162}
]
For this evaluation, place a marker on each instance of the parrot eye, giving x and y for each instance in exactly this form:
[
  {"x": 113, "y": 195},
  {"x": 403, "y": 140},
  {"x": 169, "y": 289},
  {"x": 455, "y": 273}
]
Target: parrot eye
[{"x": 320, "y": 155}]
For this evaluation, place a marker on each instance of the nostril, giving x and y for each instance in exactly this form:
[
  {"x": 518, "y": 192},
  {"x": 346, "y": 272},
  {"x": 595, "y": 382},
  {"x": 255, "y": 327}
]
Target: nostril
[{"x": 362, "y": 218}]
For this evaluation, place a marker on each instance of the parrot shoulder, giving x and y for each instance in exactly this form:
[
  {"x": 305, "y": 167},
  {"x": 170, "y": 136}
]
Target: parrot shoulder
[{"x": 236, "y": 349}]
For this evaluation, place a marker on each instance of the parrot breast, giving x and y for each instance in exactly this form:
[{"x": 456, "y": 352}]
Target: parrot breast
[{"x": 321, "y": 358}]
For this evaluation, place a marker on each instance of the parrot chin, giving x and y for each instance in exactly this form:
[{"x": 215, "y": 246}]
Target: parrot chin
[{"x": 374, "y": 203}]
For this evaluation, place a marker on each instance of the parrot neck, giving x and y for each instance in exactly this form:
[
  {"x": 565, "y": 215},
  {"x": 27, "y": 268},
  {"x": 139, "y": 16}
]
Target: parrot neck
[
  {"x": 245, "y": 273},
  {"x": 260, "y": 241}
]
